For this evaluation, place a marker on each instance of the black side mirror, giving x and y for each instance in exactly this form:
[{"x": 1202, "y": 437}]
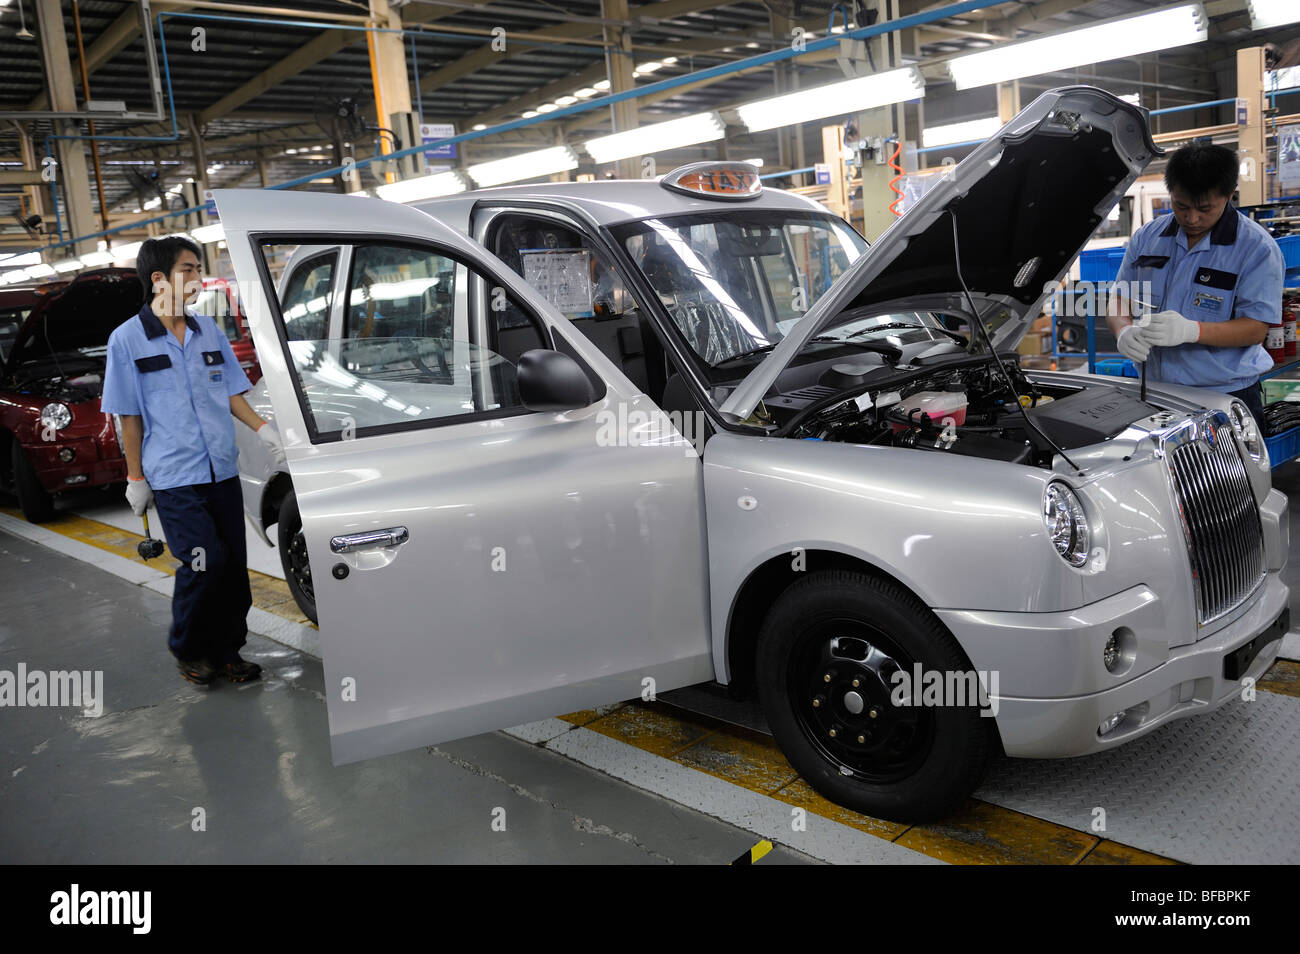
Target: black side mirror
[{"x": 551, "y": 381}]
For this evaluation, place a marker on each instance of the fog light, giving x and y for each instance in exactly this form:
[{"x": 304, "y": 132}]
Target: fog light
[
  {"x": 1110, "y": 655},
  {"x": 1109, "y": 725},
  {"x": 66, "y": 454}
]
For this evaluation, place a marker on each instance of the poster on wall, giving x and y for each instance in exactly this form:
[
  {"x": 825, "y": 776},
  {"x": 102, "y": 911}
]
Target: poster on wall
[{"x": 1288, "y": 159}]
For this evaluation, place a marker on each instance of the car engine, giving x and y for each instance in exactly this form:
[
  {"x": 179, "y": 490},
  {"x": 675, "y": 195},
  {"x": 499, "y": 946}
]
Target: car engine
[{"x": 965, "y": 410}]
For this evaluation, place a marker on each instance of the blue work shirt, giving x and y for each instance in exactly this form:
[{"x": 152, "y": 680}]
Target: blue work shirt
[
  {"x": 182, "y": 391},
  {"x": 1234, "y": 272}
]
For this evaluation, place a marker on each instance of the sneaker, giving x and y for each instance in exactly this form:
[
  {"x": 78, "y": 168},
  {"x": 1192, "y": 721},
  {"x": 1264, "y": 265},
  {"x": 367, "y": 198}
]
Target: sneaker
[
  {"x": 198, "y": 671},
  {"x": 239, "y": 670}
]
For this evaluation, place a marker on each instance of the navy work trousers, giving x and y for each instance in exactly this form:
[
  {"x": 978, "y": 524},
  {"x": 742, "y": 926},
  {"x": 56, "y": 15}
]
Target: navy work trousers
[{"x": 204, "y": 527}]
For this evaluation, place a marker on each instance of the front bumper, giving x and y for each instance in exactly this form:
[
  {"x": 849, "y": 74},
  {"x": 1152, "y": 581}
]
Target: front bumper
[{"x": 1057, "y": 691}]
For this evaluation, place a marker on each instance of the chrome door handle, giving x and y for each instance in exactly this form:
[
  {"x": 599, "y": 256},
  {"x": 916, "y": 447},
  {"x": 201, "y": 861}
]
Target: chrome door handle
[{"x": 369, "y": 540}]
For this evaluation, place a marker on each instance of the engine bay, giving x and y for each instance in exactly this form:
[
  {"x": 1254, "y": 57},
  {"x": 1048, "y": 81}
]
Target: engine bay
[{"x": 960, "y": 405}]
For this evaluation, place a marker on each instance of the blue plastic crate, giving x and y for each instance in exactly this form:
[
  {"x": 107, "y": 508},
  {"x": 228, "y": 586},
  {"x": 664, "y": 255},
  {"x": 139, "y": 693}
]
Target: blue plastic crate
[
  {"x": 1100, "y": 264},
  {"x": 1290, "y": 246},
  {"x": 1118, "y": 367},
  {"x": 1283, "y": 447}
]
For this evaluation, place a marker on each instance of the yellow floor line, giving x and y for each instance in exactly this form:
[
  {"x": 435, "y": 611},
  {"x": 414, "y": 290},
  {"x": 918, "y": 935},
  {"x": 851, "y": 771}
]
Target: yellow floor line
[
  {"x": 981, "y": 833},
  {"x": 269, "y": 592}
]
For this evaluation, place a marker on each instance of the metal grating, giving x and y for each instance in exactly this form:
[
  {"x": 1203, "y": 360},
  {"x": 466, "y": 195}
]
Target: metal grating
[{"x": 1220, "y": 519}]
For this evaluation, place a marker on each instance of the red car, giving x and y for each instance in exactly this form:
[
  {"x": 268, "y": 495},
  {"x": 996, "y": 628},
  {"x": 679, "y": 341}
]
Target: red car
[
  {"x": 219, "y": 300},
  {"x": 53, "y": 437}
]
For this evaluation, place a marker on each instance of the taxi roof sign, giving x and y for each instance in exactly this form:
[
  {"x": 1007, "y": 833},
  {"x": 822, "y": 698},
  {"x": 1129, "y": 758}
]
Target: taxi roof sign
[{"x": 730, "y": 181}]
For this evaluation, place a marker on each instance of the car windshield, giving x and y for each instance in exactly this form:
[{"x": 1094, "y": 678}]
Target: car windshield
[{"x": 734, "y": 282}]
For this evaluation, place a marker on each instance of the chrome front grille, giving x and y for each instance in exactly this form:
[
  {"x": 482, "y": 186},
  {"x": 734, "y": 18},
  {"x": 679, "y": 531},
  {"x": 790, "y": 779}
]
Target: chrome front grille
[{"x": 1219, "y": 515}]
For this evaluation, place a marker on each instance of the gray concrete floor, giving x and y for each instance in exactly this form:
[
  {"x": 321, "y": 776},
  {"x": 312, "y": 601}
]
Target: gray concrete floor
[{"x": 123, "y": 787}]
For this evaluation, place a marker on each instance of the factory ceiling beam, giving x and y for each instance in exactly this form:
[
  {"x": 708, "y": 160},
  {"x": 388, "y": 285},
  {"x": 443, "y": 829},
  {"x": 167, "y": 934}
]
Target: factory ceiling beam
[{"x": 522, "y": 43}]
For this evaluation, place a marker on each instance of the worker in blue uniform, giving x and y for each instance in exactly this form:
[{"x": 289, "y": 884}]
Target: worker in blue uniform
[
  {"x": 177, "y": 386},
  {"x": 1207, "y": 281}
]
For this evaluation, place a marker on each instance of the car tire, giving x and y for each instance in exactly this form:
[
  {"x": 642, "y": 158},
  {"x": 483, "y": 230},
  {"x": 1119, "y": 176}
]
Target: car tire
[
  {"x": 36, "y": 504},
  {"x": 907, "y": 763},
  {"x": 293, "y": 556}
]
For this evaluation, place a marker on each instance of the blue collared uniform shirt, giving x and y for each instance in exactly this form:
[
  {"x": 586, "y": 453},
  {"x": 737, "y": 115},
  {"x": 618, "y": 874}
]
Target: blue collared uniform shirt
[
  {"x": 1234, "y": 272},
  {"x": 182, "y": 391}
]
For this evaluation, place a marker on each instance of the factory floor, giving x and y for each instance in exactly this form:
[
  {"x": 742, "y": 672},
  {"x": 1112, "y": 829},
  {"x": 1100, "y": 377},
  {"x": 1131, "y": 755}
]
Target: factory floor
[{"x": 168, "y": 772}]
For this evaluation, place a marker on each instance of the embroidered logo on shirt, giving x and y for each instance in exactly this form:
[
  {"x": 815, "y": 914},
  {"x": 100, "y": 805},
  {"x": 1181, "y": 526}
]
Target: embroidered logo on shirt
[{"x": 214, "y": 377}]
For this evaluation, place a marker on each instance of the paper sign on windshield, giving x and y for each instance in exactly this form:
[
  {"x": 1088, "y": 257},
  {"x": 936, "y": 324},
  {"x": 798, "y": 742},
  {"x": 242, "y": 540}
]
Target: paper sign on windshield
[{"x": 563, "y": 277}]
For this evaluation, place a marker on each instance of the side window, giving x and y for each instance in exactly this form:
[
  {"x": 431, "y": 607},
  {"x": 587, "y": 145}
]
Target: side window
[
  {"x": 406, "y": 356},
  {"x": 215, "y": 302},
  {"x": 575, "y": 276},
  {"x": 306, "y": 299}
]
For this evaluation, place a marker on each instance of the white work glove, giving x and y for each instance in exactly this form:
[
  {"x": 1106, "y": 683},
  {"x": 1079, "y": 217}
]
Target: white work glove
[
  {"x": 139, "y": 495},
  {"x": 1133, "y": 344},
  {"x": 271, "y": 438},
  {"x": 1168, "y": 328}
]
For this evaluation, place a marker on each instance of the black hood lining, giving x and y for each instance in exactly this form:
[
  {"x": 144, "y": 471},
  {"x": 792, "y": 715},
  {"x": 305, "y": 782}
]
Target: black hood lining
[{"x": 1039, "y": 201}]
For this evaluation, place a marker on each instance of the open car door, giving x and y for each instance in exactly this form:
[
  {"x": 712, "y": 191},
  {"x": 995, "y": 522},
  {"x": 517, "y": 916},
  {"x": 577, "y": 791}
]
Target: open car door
[{"x": 477, "y": 564}]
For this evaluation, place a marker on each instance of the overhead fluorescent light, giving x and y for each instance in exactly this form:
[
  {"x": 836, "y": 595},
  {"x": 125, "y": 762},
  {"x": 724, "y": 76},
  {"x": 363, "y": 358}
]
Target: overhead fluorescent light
[
  {"x": 968, "y": 131},
  {"x": 1266, "y": 14},
  {"x": 13, "y": 276},
  {"x": 1101, "y": 42},
  {"x": 67, "y": 265},
  {"x": 1134, "y": 98},
  {"x": 21, "y": 260},
  {"x": 207, "y": 234},
  {"x": 657, "y": 137},
  {"x": 124, "y": 253},
  {"x": 95, "y": 259},
  {"x": 850, "y": 96},
  {"x": 528, "y": 165},
  {"x": 40, "y": 271},
  {"x": 585, "y": 93},
  {"x": 478, "y": 126},
  {"x": 601, "y": 84},
  {"x": 530, "y": 113},
  {"x": 757, "y": 163},
  {"x": 566, "y": 100},
  {"x": 423, "y": 187},
  {"x": 547, "y": 108}
]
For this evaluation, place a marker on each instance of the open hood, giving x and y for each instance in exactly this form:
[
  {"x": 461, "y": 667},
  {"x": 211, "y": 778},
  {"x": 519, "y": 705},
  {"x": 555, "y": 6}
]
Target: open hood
[
  {"x": 1026, "y": 201},
  {"x": 82, "y": 315}
]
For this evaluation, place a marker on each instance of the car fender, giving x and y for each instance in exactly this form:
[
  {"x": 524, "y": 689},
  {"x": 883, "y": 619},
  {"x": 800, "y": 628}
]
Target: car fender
[{"x": 959, "y": 532}]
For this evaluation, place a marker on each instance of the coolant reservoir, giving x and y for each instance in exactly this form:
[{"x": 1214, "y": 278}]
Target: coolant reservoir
[{"x": 937, "y": 404}]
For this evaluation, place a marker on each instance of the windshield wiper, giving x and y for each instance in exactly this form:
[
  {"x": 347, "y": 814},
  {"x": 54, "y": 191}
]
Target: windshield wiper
[
  {"x": 763, "y": 349},
  {"x": 906, "y": 324}
]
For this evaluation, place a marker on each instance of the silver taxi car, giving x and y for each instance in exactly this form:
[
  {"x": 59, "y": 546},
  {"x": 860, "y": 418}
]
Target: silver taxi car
[{"x": 631, "y": 436}]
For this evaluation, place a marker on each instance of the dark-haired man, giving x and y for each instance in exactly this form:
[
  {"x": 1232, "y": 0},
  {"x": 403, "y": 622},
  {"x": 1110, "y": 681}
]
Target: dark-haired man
[
  {"x": 1214, "y": 280},
  {"x": 175, "y": 383}
]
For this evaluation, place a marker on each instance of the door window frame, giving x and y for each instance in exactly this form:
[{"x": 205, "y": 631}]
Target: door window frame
[{"x": 345, "y": 241}]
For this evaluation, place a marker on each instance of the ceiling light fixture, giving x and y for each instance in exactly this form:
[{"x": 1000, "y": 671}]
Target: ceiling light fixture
[
  {"x": 850, "y": 96},
  {"x": 1099, "y": 42}
]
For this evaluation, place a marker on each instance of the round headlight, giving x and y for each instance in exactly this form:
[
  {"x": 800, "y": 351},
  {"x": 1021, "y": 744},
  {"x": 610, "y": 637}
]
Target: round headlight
[
  {"x": 56, "y": 416},
  {"x": 1066, "y": 524},
  {"x": 1247, "y": 431}
]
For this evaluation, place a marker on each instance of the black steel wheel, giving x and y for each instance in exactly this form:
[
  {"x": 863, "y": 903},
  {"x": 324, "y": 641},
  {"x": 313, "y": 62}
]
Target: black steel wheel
[
  {"x": 828, "y": 653},
  {"x": 37, "y": 505},
  {"x": 293, "y": 556}
]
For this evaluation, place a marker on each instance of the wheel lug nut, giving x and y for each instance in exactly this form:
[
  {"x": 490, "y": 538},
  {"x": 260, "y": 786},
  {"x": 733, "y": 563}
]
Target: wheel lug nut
[
  {"x": 833, "y": 733},
  {"x": 856, "y": 683},
  {"x": 826, "y": 678},
  {"x": 874, "y": 712},
  {"x": 862, "y": 738},
  {"x": 817, "y": 703}
]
